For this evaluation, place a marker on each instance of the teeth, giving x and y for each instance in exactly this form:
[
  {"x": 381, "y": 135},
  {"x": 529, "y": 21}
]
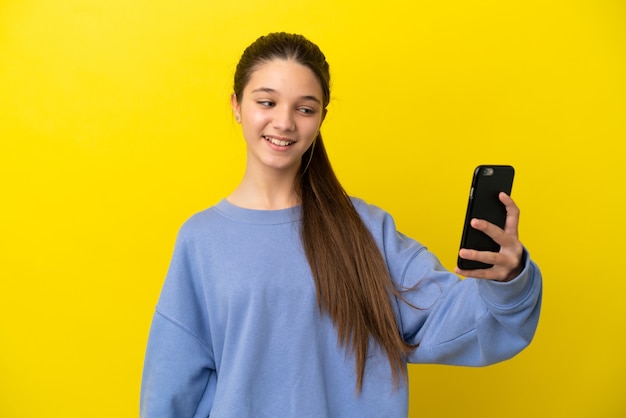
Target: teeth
[{"x": 278, "y": 142}]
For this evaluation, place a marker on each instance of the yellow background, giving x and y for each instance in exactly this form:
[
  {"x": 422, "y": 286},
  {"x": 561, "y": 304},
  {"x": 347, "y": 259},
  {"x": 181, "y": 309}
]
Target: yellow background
[{"x": 115, "y": 127}]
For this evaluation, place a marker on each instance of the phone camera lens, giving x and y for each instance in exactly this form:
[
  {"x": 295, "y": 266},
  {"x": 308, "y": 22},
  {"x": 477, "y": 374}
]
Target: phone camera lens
[{"x": 487, "y": 171}]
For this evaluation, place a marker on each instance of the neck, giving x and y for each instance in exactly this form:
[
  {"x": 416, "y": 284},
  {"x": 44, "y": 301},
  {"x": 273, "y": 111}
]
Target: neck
[{"x": 270, "y": 191}]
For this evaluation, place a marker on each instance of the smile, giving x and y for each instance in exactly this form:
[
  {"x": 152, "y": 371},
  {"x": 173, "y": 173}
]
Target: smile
[{"x": 278, "y": 142}]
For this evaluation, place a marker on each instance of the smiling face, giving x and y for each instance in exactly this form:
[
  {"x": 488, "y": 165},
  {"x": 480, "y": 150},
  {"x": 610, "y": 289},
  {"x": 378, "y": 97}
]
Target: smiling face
[{"x": 280, "y": 112}]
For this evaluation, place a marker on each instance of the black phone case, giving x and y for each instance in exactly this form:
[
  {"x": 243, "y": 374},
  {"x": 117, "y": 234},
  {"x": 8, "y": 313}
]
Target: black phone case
[{"x": 487, "y": 183}]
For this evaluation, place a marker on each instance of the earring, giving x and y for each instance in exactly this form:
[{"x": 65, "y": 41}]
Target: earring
[{"x": 237, "y": 118}]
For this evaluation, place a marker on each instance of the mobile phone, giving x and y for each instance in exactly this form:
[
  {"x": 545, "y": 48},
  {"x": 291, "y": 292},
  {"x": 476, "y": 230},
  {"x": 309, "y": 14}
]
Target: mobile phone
[{"x": 487, "y": 183}]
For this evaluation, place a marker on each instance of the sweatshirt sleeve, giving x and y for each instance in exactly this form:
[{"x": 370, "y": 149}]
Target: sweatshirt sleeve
[
  {"x": 455, "y": 321},
  {"x": 177, "y": 371},
  {"x": 179, "y": 367},
  {"x": 468, "y": 322}
]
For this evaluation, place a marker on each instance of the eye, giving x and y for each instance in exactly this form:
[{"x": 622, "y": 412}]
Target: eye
[
  {"x": 266, "y": 103},
  {"x": 306, "y": 110}
]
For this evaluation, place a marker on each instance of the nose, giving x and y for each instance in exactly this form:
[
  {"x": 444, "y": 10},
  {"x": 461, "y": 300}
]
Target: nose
[{"x": 284, "y": 119}]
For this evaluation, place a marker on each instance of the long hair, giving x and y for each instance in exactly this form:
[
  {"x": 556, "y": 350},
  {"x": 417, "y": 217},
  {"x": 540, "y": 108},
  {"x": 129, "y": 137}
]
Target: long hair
[{"x": 351, "y": 278}]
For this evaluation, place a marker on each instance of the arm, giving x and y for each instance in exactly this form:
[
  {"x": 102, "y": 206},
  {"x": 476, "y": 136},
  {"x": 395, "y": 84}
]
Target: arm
[
  {"x": 487, "y": 318},
  {"x": 178, "y": 370},
  {"x": 470, "y": 322}
]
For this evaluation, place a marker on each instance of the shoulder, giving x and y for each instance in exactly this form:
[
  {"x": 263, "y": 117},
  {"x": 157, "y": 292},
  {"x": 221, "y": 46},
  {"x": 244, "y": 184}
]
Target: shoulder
[
  {"x": 398, "y": 249},
  {"x": 377, "y": 220},
  {"x": 200, "y": 223},
  {"x": 368, "y": 211}
]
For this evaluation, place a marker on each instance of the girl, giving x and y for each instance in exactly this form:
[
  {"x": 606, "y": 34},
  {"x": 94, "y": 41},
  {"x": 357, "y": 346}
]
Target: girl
[{"x": 291, "y": 299}]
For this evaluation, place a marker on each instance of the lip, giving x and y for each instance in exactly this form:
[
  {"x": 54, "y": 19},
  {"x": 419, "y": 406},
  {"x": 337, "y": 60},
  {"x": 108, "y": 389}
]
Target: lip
[{"x": 278, "y": 142}]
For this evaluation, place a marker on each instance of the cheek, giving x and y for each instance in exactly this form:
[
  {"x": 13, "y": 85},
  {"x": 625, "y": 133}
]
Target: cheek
[
  {"x": 314, "y": 128},
  {"x": 253, "y": 116}
]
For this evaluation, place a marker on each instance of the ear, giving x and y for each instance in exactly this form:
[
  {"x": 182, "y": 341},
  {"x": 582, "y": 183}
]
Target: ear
[{"x": 236, "y": 108}]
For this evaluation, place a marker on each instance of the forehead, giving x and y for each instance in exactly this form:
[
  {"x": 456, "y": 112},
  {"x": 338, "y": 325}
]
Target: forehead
[{"x": 286, "y": 77}]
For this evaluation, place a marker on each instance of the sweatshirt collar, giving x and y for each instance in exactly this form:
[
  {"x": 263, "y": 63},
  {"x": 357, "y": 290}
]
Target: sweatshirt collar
[{"x": 256, "y": 216}]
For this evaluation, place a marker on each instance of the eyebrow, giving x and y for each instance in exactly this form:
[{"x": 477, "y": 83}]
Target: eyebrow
[{"x": 271, "y": 90}]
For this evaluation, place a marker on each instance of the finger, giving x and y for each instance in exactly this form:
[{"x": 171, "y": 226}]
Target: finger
[
  {"x": 512, "y": 214},
  {"x": 491, "y": 273},
  {"x": 501, "y": 269},
  {"x": 476, "y": 274},
  {"x": 504, "y": 263},
  {"x": 486, "y": 257},
  {"x": 483, "y": 274},
  {"x": 509, "y": 244},
  {"x": 500, "y": 236}
]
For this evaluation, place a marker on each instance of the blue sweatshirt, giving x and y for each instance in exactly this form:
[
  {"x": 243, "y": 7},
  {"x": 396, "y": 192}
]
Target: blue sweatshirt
[{"x": 237, "y": 331}]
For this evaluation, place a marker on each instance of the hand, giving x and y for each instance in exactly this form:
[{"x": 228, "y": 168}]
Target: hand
[{"x": 507, "y": 264}]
